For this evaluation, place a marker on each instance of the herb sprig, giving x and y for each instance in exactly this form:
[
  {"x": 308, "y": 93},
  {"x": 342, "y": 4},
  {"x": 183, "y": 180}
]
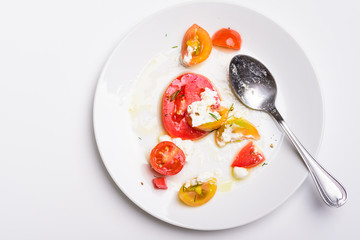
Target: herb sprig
[
  {"x": 231, "y": 107},
  {"x": 174, "y": 95},
  {"x": 214, "y": 116}
]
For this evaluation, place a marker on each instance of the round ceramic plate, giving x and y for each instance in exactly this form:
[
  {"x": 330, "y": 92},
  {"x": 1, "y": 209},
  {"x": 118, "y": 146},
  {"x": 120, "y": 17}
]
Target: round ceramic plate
[{"x": 299, "y": 101}]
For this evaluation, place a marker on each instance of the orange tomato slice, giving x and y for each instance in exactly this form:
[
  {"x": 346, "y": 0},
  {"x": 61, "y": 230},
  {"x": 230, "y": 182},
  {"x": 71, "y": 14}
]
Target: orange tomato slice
[{"x": 196, "y": 46}]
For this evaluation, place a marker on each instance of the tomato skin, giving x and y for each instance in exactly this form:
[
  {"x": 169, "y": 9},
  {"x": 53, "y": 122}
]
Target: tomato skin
[
  {"x": 159, "y": 183},
  {"x": 200, "y": 40},
  {"x": 190, "y": 87},
  {"x": 227, "y": 38},
  {"x": 198, "y": 195},
  {"x": 248, "y": 157},
  {"x": 167, "y": 159}
]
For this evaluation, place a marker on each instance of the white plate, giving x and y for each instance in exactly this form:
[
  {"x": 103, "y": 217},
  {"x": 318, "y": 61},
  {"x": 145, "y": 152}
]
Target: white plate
[{"x": 299, "y": 101}]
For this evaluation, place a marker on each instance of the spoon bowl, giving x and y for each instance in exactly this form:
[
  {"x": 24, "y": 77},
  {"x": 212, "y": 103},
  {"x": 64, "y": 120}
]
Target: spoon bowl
[
  {"x": 256, "y": 88},
  {"x": 252, "y": 83}
]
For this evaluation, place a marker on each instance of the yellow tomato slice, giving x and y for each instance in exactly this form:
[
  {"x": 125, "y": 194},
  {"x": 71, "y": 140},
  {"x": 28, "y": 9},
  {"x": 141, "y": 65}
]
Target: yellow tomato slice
[
  {"x": 245, "y": 129},
  {"x": 198, "y": 194}
]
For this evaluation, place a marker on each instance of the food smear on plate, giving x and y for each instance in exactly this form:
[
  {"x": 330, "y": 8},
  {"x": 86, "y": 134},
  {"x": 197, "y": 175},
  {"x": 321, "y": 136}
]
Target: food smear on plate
[
  {"x": 196, "y": 46},
  {"x": 227, "y": 38},
  {"x": 197, "y": 125}
]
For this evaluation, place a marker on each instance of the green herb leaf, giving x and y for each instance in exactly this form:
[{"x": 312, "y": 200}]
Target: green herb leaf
[
  {"x": 181, "y": 95},
  {"x": 140, "y": 138},
  {"x": 174, "y": 95},
  {"x": 174, "y": 46},
  {"x": 213, "y": 115},
  {"x": 165, "y": 34},
  {"x": 195, "y": 198},
  {"x": 231, "y": 107},
  {"x": 264, "y": 164}
]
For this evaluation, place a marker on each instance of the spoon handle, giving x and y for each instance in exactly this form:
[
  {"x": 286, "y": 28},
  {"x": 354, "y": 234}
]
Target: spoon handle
[{"x": 331, "y": 191}]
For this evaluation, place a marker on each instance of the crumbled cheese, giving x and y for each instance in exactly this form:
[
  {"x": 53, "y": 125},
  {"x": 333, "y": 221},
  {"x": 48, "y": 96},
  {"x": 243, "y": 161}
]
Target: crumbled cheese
[
  {"x": 188, "y": 57},
  {"x": 200, "y": 111},
  {"x": 240, "y": 172},
  {"x": 194, "y": 182},
  {"x": 202, "y": 178},
  {"x": 229, "y": 135},
  {"x": 185, "y": 145}
]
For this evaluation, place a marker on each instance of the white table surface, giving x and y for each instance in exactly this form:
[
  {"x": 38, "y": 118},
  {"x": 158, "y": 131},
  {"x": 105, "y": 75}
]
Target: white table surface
[{"x": 53, "y": 184}]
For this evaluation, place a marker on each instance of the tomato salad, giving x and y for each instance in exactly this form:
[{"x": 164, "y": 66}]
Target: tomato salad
[{"x": 191, "y": 109}]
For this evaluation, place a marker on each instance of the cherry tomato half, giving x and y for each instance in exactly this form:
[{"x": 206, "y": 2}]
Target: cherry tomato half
[
  {"x": 196, "y": 46},
  {"x": 159, "y": 183},
  {"x": 248, "y": 157},
  {"x": 227, "y": 38},
  {"x": 167, "y": 159},
  {"x": 183, "y": 91},
  {"x": 199, "y": 194}
]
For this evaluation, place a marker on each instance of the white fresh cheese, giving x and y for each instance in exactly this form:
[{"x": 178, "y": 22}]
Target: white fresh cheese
[
  {"x": 188, "y": 57},
  {"x": 203, "y": 177},
  {"x": 229, "y": 135},
  {"x": 200, "y": 111},
  {"x": 240, "y": 172},
  {"x": 185, "y": 145}
]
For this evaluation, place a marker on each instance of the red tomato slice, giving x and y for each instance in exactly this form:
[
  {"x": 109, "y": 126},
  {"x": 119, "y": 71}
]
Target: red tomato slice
[
  {"x": 183, "y": 91},
  {"x": 159, "y": 183},
  {"x": 200, "y": 42},
  {"x": 228, "y": 38},
  {"x": 248, "y": 157},
  {"x": 167, "y": 159}
]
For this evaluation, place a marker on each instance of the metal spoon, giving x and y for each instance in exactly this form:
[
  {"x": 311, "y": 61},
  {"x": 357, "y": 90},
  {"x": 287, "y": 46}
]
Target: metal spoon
[{"x": 254, "y": 85}]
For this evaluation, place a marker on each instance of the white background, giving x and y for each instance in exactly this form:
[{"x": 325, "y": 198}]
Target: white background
[{"x": 53, "y": 184}]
